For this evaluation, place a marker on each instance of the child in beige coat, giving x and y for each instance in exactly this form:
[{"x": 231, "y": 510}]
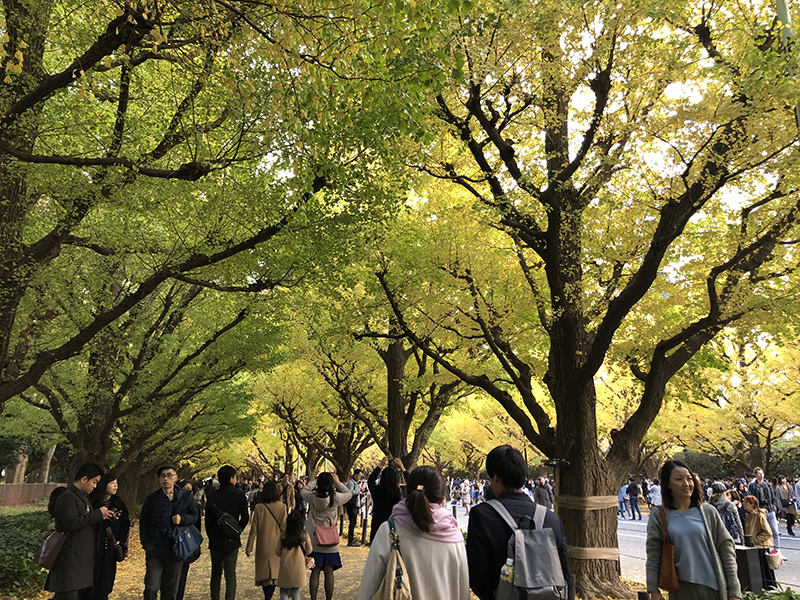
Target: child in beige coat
[{"x": 293, "y": 547}]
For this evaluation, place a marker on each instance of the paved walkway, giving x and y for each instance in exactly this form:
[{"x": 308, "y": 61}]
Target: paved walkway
[{"x": 130, "y": 574}]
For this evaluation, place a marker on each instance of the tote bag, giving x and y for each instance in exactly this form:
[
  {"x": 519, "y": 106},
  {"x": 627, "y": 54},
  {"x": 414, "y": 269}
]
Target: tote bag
[
  {"x": 48, "y": 552},
  {"x": 395, "y": 584},
  {"x": 667, "y": 576}
]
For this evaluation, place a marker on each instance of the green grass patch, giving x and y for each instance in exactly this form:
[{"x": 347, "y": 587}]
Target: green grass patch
[{"x": 21, "y": 534}]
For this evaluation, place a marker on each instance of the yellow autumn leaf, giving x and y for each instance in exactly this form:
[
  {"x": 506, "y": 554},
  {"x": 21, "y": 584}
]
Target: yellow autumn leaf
[
  {"x": 7, "y": 79},
  {"x": 82, "y": 94},
  {"x": 23, "y": 45},
  {"x": 118, "y": 11},
  {"x": 18, "y": 55},
  {"x": 108, "y": 62},
  {"x": 4, "y": 38}
]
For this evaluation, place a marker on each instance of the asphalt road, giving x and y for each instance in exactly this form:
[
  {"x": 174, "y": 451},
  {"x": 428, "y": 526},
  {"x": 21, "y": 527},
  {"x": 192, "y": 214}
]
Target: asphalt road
[{"x": 631, "y": 536}]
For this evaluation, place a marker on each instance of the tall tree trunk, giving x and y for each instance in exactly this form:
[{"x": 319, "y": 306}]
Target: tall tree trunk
[
  {"x": 18, "y": 474},
  {"x": 288, "y": 465},
  {"x": 44, "y": 467},
  {"x": 395, "y": 357},
  {"x": 129, "y": 478}
]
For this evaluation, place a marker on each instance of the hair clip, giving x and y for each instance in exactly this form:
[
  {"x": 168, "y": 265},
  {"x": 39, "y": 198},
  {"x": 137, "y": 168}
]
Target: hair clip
[{"x": 420, "y": 488}]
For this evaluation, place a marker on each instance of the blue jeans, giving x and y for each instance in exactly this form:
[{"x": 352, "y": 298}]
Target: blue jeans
[
  {"x": 773, "y": 524},
  {"x": 162, "y": 573},
  {"x": 623, "y": 508},
  {"x": 635, "y": 507}
]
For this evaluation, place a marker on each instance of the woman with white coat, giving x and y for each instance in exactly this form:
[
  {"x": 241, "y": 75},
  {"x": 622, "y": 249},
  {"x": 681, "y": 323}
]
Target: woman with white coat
[{"x": 431, "y": 543}]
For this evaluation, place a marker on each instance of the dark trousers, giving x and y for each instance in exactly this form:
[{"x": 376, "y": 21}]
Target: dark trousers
[
  {"x": 223, "y": 561},
  {"x": 83, "y": 594},
  {"x": 162, "y": 573},
  {"x": 352, "y": 519},
  {"x": 182, "y": 582},
  {"x": 635, "y": 507}
]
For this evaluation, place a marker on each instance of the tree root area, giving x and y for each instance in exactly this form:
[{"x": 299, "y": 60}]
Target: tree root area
[{"x": 607, "y": 590}]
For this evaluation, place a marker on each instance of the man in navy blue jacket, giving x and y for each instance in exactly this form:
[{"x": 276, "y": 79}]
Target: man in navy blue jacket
[
  {"x": 223, "y": 545},
  {"x": 161, "y": 512},
  {"x": 488, "y": 533}
]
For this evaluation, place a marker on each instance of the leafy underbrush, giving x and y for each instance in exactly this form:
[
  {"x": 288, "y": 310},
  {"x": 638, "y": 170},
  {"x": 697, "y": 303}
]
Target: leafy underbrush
[
  {"x": 782, "y": 593},
  {"x": 20, "y": 537}
]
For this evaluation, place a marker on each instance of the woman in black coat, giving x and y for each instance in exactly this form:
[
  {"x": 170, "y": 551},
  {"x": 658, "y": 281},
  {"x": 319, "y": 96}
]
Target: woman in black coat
[
  {"x": 106, "y": 554},
  {"x": 384, "y": 494}
]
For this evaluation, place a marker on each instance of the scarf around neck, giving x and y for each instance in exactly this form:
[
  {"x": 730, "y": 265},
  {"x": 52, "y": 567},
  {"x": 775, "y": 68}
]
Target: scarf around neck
[{"x": 443, "y": 529}]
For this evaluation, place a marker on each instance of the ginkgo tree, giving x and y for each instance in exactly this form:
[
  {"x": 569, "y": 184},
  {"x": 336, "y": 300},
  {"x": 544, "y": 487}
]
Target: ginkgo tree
[
  {"x": 745, "y": 414},
  {"x": 190, "y": 139},
  {"x": 630, "y": 170}
]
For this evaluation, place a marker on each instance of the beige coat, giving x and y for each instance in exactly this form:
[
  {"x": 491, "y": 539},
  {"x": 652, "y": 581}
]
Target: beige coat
[
  {"x": 293, "y": 564},
  {"x": 290, "y": 504},
  {"x": 266, "y": 527},
  {"x": 757, "y": 526}
]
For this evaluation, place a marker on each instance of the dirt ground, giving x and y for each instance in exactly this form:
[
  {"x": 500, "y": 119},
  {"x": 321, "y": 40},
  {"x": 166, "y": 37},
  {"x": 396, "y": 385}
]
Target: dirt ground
[{"x": 130, "y": 574}]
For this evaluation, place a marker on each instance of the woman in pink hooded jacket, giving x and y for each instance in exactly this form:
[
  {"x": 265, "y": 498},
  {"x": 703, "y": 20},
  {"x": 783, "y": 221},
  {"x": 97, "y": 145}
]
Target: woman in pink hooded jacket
[{"x": 431, "y": 543}]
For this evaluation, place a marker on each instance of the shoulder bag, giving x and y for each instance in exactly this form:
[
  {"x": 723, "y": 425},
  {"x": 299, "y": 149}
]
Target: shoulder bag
[
  {"x": 47, "y": 553},
  {"x": 668, "y": 575},
  {"x": 186, "y": 539},
  {"x": 395, "y": 584},
  {"x": 119, "y": 551},
  {"x": 326, "y": 535}
]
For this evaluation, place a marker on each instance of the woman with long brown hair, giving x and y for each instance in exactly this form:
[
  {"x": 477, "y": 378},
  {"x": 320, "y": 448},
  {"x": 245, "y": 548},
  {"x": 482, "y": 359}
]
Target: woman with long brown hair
[
  {"x": 267, "y": 525},
  {"x": 705, "y": 560},
  {"x": 431, "y": 543}
]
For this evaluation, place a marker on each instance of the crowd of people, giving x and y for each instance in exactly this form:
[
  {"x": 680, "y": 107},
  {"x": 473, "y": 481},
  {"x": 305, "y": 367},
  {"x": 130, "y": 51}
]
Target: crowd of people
[{"x": 293, "y": 529}]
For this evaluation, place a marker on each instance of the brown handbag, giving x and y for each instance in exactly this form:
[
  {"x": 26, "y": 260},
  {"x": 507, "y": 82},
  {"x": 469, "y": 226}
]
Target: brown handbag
[{"x": 667, "y": 576}]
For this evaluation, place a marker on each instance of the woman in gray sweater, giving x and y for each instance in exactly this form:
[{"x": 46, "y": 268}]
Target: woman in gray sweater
[{"x": 704, "y": 551}]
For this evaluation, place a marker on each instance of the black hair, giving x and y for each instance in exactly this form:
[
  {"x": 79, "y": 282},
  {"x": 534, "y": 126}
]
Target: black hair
[
  {"x": 163, "y": 468},
  {"x": 506, "y": 463},
  {"x": 269, "y": 493},
  {"x": 182, "y": 483},
  {"x": 424, "y": 487},
  {"x": 325, "y": 487},
  {"x": 90, "y": 470},
  {"x": 666, "y": 493},
  {"x": 54, "y": 496},
  {"x": 389, "y": 485},
  {"x": 294, "y": 530},
  {"x": 96, "y": 497},
  {"x": 225, "y": 474},
  {"x": 357, "y": 471}
]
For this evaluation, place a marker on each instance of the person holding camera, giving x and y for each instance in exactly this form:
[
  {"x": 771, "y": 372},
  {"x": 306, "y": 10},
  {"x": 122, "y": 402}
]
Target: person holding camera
[
  {"x": 112, "y": 536},
  {"x": 385, "y": 492}
]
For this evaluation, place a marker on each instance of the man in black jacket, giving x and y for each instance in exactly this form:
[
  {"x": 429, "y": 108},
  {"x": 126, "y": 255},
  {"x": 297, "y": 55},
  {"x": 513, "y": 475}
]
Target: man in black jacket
[
  {"x": 74, "y": 566},
  {"x": 223, "y": 544},
  {"x": 488, "y": 534},
  {"x": 161, "y": 512},
  {"x": 767, "y": 500}
]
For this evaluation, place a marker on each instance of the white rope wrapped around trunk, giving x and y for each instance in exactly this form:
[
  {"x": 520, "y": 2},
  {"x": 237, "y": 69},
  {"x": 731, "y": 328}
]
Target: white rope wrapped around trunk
[
  {"x": 593, "y": 553},
  {"x": 590, "y": 503}
]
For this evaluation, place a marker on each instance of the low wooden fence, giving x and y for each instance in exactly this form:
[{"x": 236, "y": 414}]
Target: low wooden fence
[{"x": 16, "y": 494}]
